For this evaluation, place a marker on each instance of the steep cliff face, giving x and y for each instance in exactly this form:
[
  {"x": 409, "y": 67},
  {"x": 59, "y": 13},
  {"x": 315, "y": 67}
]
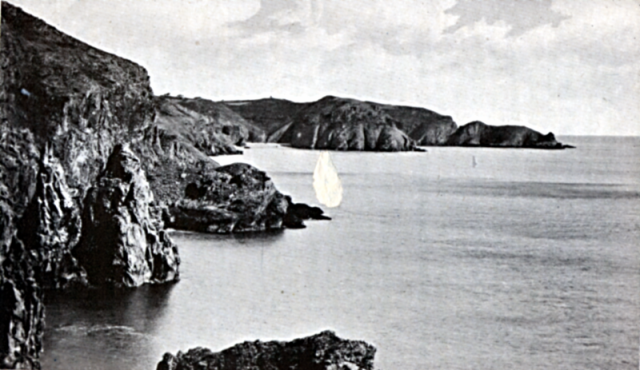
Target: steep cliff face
[
  {"x": 346, "y": 124},
  {"x": 480, "y": 134},
  {"x": 57, "y": 93},
  {"x": 50, "y": 227},
  {"x": 78, "y": 99},
  {"x": 120, "y": 243},
  {"x": 323, "y": 351}
]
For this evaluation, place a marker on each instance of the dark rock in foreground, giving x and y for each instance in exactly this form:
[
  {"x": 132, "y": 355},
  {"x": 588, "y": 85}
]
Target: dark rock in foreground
[
  {"x": 50, "y": 227},
  {"x": 480, "y": 134},
  {"x": 323, "y": 351},
  {"x": 120, "y": 243},
  {"x": 21, "y": 308}
]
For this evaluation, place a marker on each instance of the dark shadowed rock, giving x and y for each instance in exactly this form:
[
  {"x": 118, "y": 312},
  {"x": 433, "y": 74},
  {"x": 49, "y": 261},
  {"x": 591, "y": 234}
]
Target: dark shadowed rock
[
  {"x": 271, "y": 115},
  {"x": 345, "y": 124},
  {"x": 323, "y": 351},
  {"x": 480, "y": 134},
  {"x": 233, "y": 198},
  {"x": 21, "y": 308},
  {"x": 50, "y": 227},
  {"x": 120, "y": 243}
]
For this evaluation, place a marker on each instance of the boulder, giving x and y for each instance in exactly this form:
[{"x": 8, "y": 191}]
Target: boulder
[
  {"x": 323, "y": 351},
  {"x": 120, "y": 242}
]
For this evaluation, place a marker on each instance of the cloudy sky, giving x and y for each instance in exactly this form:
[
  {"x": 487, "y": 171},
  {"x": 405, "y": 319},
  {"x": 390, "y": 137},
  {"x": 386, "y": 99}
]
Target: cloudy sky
[{"x": 567, "y": 66}]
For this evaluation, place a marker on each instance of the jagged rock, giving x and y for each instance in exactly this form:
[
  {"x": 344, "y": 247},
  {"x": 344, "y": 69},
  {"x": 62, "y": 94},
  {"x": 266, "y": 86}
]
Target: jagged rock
[
  {"x": 477, "y": 133},
  {"x": 323, "y": 351},
  {"x": 77, "y": 99},
  {"x": 120, "y": 244},
  {"x": 345, "y": 124},
  {"x": 233, "y": 198},
  {"x": 50, "y": 227},
  {"x": 21, "y": 308},
  {"x": 297, "y": 213}
]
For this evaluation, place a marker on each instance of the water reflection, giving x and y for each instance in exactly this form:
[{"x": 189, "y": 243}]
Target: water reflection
[{"x": 99, "y": 326}]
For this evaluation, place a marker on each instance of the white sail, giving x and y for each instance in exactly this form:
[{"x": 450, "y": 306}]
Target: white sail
[{"x": 326, "y": 182}]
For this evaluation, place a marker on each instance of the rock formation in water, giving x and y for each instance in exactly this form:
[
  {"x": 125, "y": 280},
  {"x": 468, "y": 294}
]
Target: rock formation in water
[
  {"x": 237, "y": 198},
  {"x": 65, "y": 110},
  {"x": 323, "y": 351},
  {"x": 345, "y": 124},
  {"x": 121, "y": 244},
  {"x": 348, "y": 124},
  {"x": 480, "y": 134}
]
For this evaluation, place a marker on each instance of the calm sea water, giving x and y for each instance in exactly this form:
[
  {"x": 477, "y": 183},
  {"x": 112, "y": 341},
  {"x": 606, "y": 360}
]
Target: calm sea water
[{"x": 457, "y": 258}]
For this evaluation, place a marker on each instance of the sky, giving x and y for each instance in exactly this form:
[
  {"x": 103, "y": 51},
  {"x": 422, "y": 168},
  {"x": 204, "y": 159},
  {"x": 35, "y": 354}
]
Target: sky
[{"x": 567, "y": 66}]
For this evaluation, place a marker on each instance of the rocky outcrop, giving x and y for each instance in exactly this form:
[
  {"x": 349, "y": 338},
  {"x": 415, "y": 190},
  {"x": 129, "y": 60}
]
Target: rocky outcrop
[
  {"x": 480, "y": 134},
  {"x": 77, "y": 99},
  {"x": 323, "y": 351},
  {"x": 348, "y": 124},
  {"x": 120, "y": 242},
  {"x": 345, "y": 124},
  {"x": 210, "y": 127},
  {"x": 234, "y": 198},
  {"x": 50, "y": 227}
]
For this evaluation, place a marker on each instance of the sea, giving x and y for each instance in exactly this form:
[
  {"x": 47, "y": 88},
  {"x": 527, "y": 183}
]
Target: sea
[{"x": 453, "y": 258}]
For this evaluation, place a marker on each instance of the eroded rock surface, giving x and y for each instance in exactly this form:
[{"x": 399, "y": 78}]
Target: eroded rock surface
[
  {"x": 323, "y": 351},
  {"x": 233, "y": 198},
  {"x": 50, "y": 227},
  {"x": 120, "y": 243},
  {"x": 345, "y": 124}
]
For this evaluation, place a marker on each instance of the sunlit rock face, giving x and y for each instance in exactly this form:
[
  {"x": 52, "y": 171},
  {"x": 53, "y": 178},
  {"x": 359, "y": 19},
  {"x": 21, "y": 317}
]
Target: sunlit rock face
[{"x": 120, "y": 243}]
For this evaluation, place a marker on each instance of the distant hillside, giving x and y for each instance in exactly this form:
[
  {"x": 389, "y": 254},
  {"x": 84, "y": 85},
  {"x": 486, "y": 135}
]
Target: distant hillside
[
  {"x": 345, "y": 124},
  {"x": 211, "y": 127},
  {"x": 268, "y": 114},
  {"x": 349, "y": 124},
  {"x": 477, "y": 133}
]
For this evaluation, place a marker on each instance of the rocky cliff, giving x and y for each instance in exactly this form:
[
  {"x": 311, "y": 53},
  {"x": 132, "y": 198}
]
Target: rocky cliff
[
  {"x": 345, "y": 124},
  {"x": 75, "y": 202},
  {"x": 323, "y": 351},
  {"x": 480, "y": 134},
  {"x": 121, "y": 244},
  {"x": 348, "y": 124},
  {"x": 211, "y": 127}
]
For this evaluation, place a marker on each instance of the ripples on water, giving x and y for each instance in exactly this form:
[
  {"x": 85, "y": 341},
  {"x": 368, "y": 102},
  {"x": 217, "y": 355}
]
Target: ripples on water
[{"x": 528, "y": 260}]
